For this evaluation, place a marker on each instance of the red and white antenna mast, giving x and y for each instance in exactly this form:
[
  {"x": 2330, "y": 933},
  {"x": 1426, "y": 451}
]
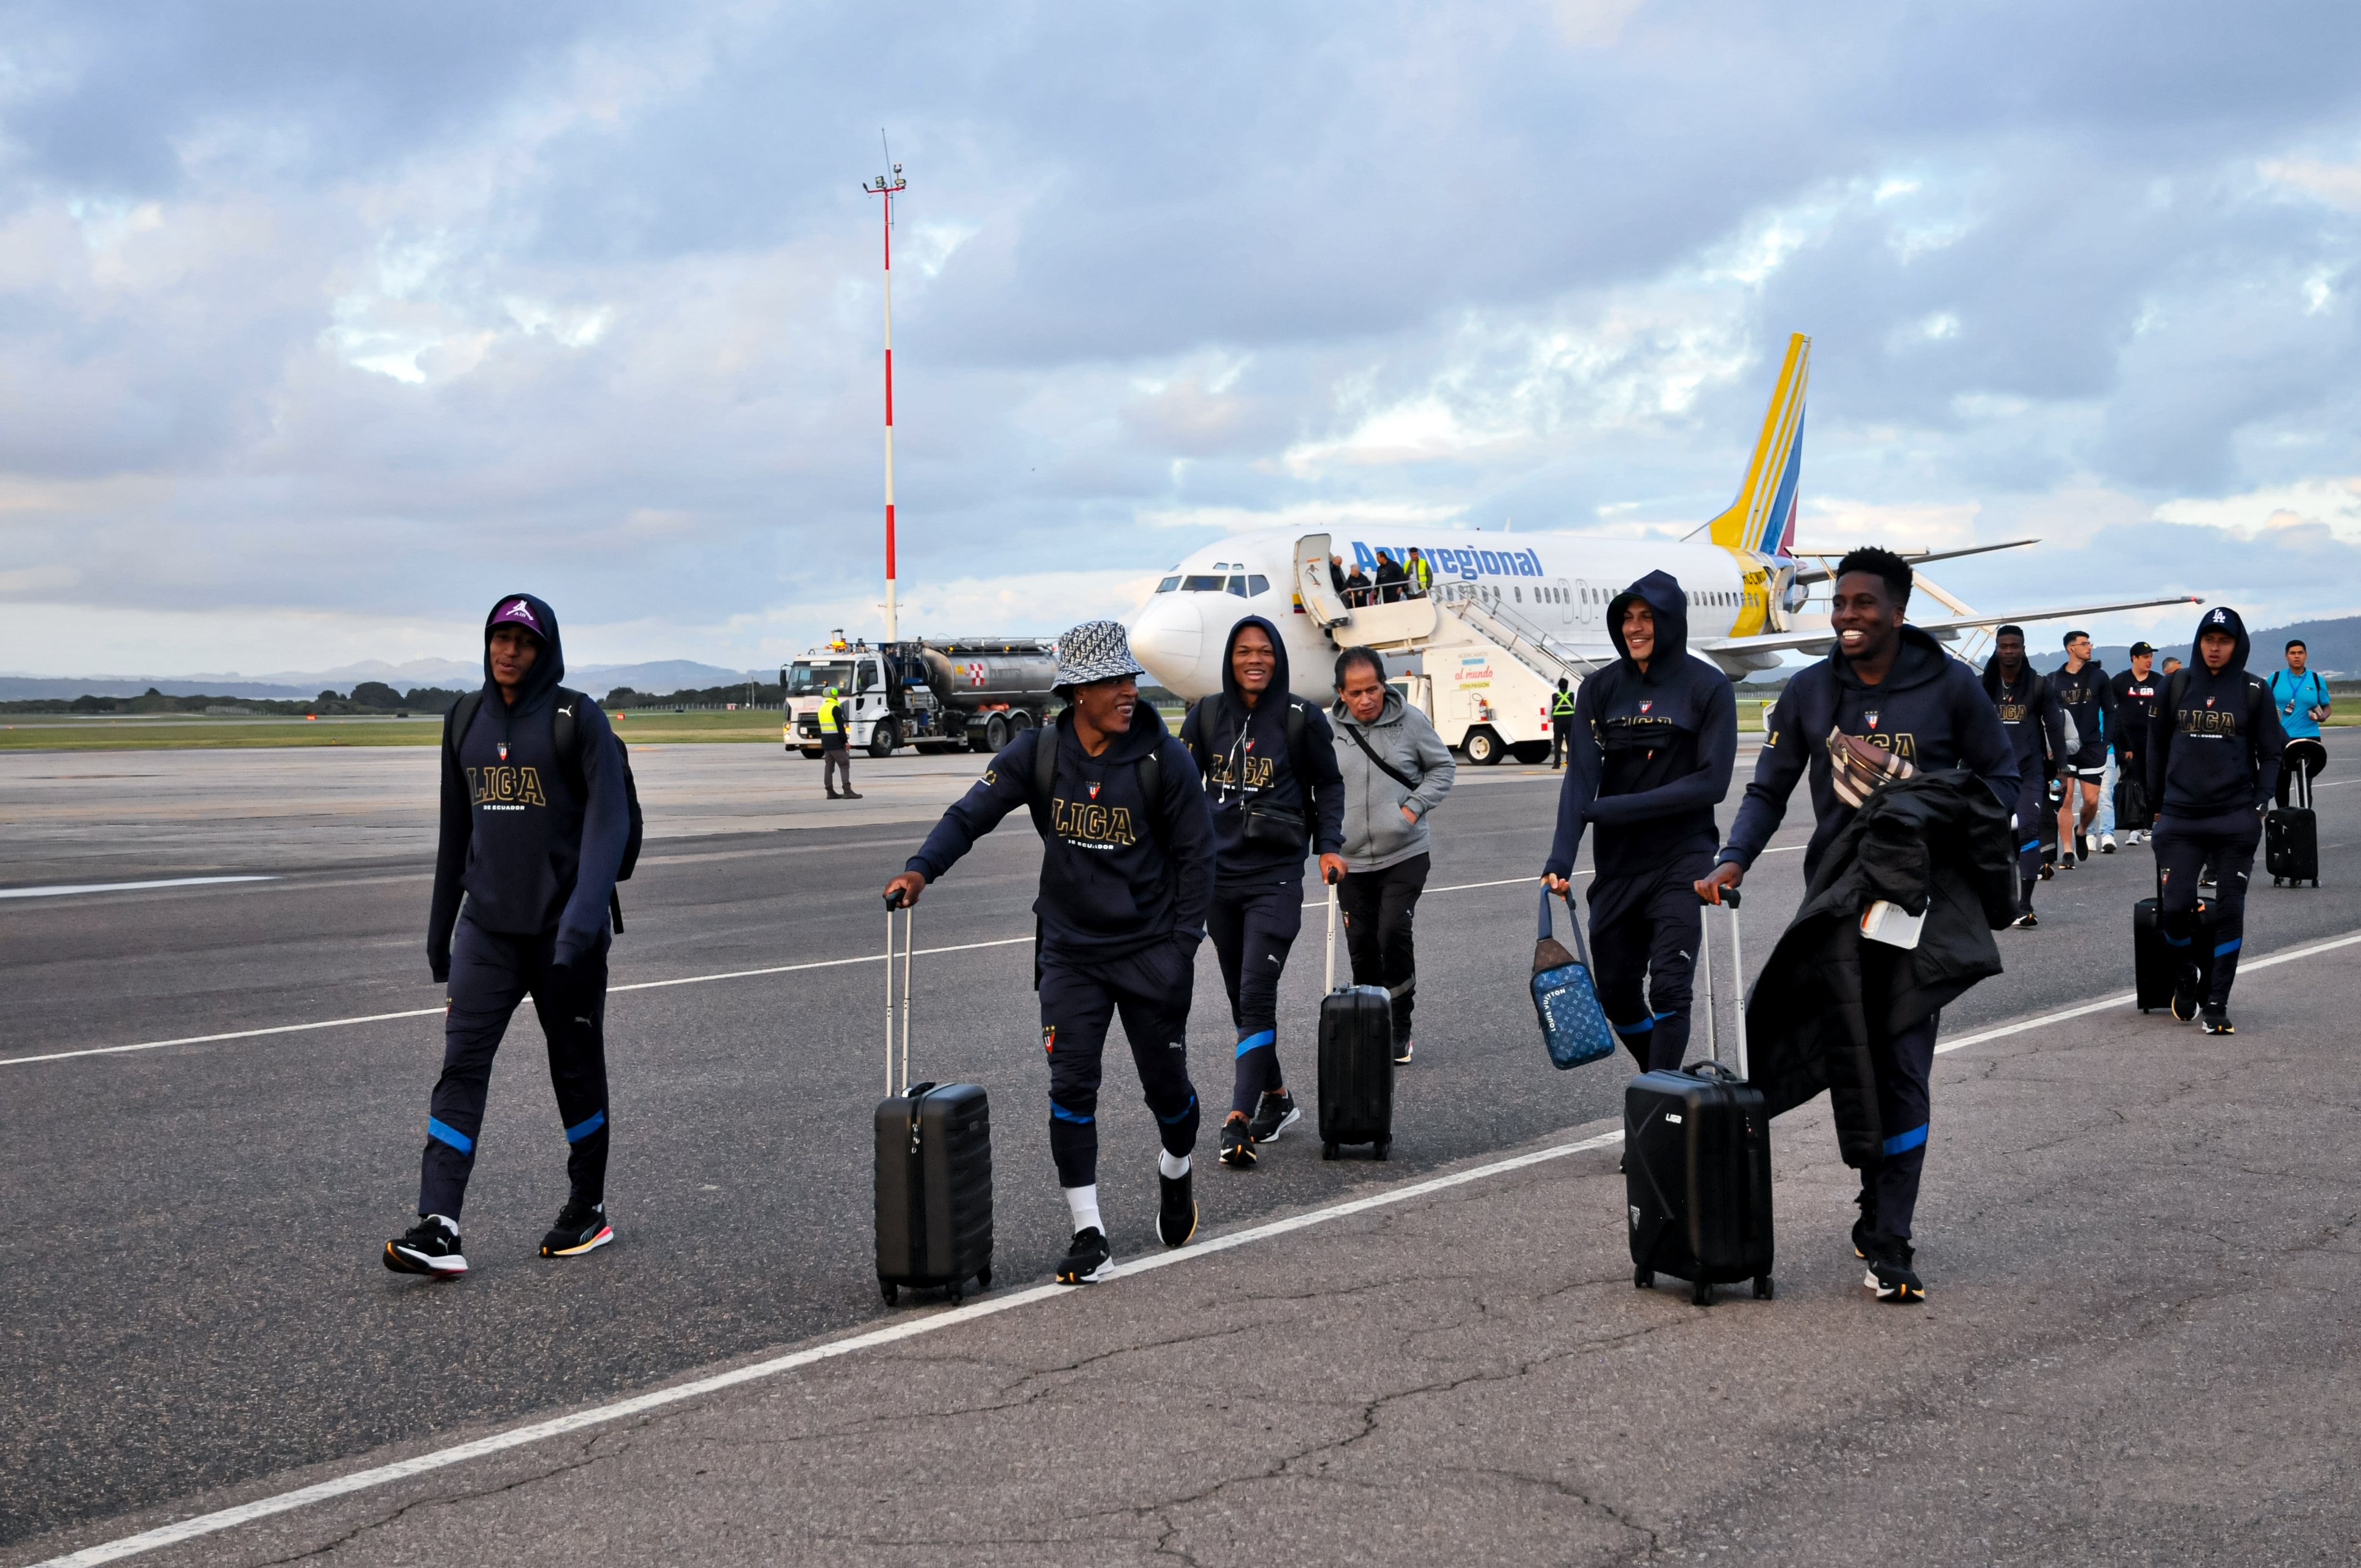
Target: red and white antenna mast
[{"x": 888, "y": 185}]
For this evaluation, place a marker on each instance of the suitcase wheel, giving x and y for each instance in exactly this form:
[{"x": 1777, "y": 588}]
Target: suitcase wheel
[
  {"x": 955, "y": 1293},
  {"x": 1701, "y": 1294},
  {"x": 1763, "y": 1289},
  {"x": 1379, "y": 1151},
  {"x": 1643, "y": 1279},
  {"x": 983, "y": 1278},
  {"x": 1328, "y": 1151},
  {"x": 892, "y": 1292}
]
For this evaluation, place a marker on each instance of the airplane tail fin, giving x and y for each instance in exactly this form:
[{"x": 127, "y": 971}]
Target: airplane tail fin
[{"x": 1763, "y": 520}]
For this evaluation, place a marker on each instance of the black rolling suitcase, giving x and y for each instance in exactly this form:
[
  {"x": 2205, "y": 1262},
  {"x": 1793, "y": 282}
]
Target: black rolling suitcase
[
  {"x": 2291, "y": 833},
  {"x": 934, "y": 1167},
  {"x": 1696, "y": 1164},
  {"x": 1356, "y": 1061},
  {"x": 2152, "y": 963}
]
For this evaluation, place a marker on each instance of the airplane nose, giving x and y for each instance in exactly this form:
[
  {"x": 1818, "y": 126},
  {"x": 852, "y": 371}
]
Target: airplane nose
[{"x": 1168, "y": 637}]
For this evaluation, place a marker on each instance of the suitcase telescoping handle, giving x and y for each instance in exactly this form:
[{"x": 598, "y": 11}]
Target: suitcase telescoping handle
[
  {"x": 893, "y": 901},
  {"x": 1331, "y": 880},
  {"x": 1729, "y": 896}
]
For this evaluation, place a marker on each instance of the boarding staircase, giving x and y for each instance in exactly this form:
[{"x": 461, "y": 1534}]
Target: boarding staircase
[{"x": 1514, "y": 634}]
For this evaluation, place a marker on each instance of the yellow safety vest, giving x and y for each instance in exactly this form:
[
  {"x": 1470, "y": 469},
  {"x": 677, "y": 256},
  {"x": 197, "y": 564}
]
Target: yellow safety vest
[
  {"x": 831, "y": 717},
  {"x": 1562, "y": 706},
  {"x": 1422, "y": 573}
]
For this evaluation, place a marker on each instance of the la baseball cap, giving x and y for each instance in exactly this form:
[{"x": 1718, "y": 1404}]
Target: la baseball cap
[{"x": 516, "y": 612}]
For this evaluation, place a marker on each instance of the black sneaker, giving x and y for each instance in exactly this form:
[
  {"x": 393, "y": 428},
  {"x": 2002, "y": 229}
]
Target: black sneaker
[
  {"x": 1176, "y": 1217},
  {"x": 2184, "y": 994},
  {"x": 2048, "y": 870},
  {"x": 2217, "y": 1022},
  {"x": 1401, "y": 1056},
  {"x": 1864, "y": 1236},
  {"x": 1274, "y": 1113},
  {"x": 1891, "y": 1277},
  {"x": 581, "y": 1227},
  {"x": 1088, "y": 1261},
  {"x": 849, "y": 795},
  {"x": 430, "y": 1247},
  {"x": 2027, "y": 920},
  {"x": 2066, "y": 861},
  {"x": 1237, "y": 1145}
]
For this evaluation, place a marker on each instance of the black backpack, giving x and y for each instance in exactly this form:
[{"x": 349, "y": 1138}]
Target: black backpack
[{"x": 565, "y": 739}]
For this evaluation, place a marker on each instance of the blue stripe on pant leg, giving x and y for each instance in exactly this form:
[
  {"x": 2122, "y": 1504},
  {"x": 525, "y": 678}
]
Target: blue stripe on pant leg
[
  {"x": 583, "y": 1129},
  {"x": 2231, "y": 946},
  {"x": 1267, "y": 1037},
  {"x": 1062, "y": 1115},
  {"x": 1903, "y": 1143},
  {"x": 1177, "y": 1115},
  {"x": 444, "y": 1132}
]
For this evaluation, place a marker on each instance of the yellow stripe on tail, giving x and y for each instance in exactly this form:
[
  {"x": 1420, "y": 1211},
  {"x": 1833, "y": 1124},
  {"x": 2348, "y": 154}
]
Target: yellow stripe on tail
[{"x": 1762, "y": 521}]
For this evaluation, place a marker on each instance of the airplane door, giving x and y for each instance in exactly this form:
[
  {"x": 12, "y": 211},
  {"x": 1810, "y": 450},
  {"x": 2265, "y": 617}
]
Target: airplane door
[
  {"x": 1585, "y": 608},
  {"x": 1564, "y": 588},
  {"x": 1312, "y": 585}
]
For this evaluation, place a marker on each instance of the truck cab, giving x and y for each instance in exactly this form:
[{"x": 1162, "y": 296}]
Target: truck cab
[{"x": 886, "y": 699}]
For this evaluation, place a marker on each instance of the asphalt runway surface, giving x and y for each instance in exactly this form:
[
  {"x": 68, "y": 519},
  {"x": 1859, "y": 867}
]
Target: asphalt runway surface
[{"x": 197, "y": 1301}]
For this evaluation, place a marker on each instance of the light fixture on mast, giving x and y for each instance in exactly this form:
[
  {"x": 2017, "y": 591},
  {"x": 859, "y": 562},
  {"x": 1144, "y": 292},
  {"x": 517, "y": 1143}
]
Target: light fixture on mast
[{"x": 888, "y": 185}]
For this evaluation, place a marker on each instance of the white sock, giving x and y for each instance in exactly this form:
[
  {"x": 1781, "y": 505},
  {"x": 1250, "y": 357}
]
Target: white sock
[
  {"x": 446, "y": 1220},
  {"x": 1174, "y": 1165},
  {"x": 1084, "y": 1203}
]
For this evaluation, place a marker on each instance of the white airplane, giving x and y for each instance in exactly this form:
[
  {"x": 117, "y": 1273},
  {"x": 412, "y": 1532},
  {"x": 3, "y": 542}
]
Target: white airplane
[{"x": 1512, "y": 612}]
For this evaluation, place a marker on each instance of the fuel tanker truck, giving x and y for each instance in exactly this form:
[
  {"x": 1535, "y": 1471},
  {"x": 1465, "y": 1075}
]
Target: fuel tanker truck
[{"x": 960, "y": 694}]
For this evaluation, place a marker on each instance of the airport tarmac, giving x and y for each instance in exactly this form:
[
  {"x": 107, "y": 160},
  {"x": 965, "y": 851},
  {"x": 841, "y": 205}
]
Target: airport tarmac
[{"x": 209, "y": 1318}]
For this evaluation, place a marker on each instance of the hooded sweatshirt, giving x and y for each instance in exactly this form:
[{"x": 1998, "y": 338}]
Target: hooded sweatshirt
[
  {"x": 1242, "y": 754},
  {"x": 2030, "y": 712},
  {"x": 1377, "y": 834},
  {"x": 1118, "y": 873},
  {"x": 531, "y": 853},
  {"x": 2089, "y": 699},
  {"x": 2215, "y": 744},
  {"x": 1651, "y": 751},
  {"x": 1930, "y": 710}
]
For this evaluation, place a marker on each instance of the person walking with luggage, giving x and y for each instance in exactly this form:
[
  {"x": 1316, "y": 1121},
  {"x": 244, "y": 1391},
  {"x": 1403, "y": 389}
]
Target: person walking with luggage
[
  {"x": 1268, "y": 762},
  {"x": 2302, "y": 699},
  {"x": 1561, "y": 724},
  {"x": 1126, "y": 876},
  {"x": 835, "y": 746},
  {"x": 2212, "y": 768},
  {"x": 2036, "y": 724},
  {"x": 2136, "y": 692},
  {"x": 1886, "y": 688},
  {"x": 1655, "y": 736},
  {"x": 535, "y": 818},
  {"x": 1396, "y": 770},
  {"x": 2082, "y": 690}
]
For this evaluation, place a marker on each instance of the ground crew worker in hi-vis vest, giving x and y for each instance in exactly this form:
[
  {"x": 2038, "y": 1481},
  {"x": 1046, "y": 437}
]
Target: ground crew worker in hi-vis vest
[
  {"x": 835, "y": 746},
  {"x": 1421, "y": 575},
  {"x": 1561, "y": 724}
]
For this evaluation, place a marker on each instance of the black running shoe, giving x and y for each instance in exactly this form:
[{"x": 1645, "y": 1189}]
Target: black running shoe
[
  {"x": 2217, "y": 1022},
  {"x": 1274, "y": 1113},
  {"x": 1088, "y": 1261},
  {"x": 1891, "y": 1276},
  {"x": 2066, "y": 861},
  {"x": 1176, "y": 1217},
  {"x": 1237, "y": 1145},
  {"x": 2048, "y": 870},
  {"x": 2026, "y": 921},
  {"x": 581, "y": 1227},
  {"x": 430, "y": 1247},
  {"x": 1401, "y": 1054},
  {"x": 2184, "y": 994},
  {"x": 1864, "y": 1236}
]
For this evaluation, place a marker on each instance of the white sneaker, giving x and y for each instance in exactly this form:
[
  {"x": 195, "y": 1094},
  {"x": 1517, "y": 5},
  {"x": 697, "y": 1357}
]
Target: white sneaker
[{"x": 2106, "y": 843}]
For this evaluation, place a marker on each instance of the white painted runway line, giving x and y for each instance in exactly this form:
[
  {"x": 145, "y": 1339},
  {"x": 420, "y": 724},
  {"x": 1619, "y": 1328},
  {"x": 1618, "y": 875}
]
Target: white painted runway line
[
  {"x": 912, "y": 1327},
  {"x": 124, "y": 886},
  {"x": 612, "y": 991}
]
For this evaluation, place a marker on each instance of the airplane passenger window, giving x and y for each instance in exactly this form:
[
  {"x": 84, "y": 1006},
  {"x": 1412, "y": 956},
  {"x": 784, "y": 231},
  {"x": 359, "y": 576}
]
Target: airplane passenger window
[
  {"x": 1201, "y": 584},
  {"x": 1168, "y": 584},
  {"x": 1257, "y": 585},
  {"x": 1238, "y": 586}
]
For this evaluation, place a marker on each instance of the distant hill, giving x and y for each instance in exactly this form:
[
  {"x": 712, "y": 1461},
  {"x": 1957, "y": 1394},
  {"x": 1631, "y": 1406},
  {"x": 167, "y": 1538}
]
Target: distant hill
[
  {"x": 2334, "y": 647},
  {"x": 293, "y": 685}
]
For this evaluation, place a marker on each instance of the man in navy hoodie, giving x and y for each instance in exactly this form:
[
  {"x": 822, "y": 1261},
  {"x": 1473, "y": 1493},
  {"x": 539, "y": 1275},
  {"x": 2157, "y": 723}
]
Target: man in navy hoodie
[
  {"x": 1254, "y": 744},
  {"x": 2214, "y": 769},
  {"x": 532, "y": 839},
  {"x": 1127, "y": 871},
  {"x": 2028, "y": 708},
  {"x": 1893, "y": 687},
  {"x": 1655, "y": 738}
]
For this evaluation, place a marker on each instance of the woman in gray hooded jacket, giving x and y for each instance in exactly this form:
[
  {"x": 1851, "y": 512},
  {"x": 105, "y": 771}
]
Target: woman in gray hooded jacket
[{"x": 1396, "y": 770}]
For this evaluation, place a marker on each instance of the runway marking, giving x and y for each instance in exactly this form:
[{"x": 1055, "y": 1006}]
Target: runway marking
[
  {"x": 655, "y": 1399},
  {"x": 912, "y": 1327},
  {"x": 124, "y": 886}
]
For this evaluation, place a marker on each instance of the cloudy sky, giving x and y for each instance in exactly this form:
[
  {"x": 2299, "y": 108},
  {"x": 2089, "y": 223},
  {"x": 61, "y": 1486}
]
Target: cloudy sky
[{"x": 321, "y": 326}]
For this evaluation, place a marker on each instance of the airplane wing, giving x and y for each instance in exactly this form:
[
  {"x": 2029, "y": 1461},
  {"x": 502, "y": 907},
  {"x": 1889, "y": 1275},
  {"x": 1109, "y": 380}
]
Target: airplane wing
[
  {"x": 1827, "y": 559},
  {"x": 1820, "y": 639}
]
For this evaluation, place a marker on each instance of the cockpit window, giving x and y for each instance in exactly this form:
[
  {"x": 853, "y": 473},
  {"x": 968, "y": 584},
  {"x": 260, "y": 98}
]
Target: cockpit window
[
  {"x": 1201, "y": 585},
  {"x": 1238, "y": 586},
  {"x": 1168, "y": 584},
  {"x": 1257, "y": 585}
]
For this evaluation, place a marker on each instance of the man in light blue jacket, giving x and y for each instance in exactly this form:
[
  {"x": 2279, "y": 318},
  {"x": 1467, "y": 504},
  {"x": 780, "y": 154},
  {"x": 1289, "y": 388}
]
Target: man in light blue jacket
[{"x": 1396, "y": 770}]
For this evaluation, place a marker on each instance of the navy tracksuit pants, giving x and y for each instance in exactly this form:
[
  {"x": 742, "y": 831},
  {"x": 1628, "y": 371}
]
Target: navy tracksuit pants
[
  {"x": 1080, "y": 995},
  {"x": 2185, "y": 845},
  {"x": 1253, "y": 928},
  {"x": 1647, "y": 928},
  {"x": 2032, "y": 806},
  {"x": 491, "y": 973},
  {"x": 1903, "y": 1063}
]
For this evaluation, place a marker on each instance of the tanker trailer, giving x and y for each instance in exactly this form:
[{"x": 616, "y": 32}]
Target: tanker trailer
[{"x": 968, "y": 692}]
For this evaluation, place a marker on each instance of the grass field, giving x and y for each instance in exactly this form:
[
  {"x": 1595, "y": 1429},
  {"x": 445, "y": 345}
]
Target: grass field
[{"x": 183, "y": 731}]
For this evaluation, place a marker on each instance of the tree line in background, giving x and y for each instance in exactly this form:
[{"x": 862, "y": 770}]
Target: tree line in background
[{"x": 370, "y": 699}]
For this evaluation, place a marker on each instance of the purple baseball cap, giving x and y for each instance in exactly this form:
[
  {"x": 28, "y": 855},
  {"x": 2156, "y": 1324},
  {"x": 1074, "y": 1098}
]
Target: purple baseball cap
[{"x": 516, "y": 612}]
